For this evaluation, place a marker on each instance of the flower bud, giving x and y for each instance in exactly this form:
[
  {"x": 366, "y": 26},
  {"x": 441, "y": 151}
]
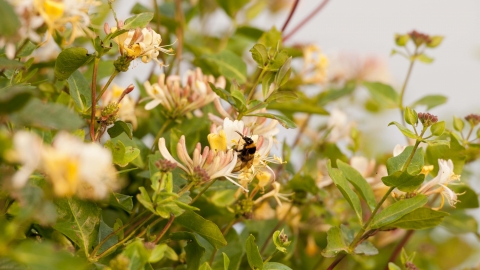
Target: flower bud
[
  {"x": 165, "y": 165},
  {"x": 419, "y": 38},
  {"x": 473, "y": 119},
  {"x": 427, "y": 119}
]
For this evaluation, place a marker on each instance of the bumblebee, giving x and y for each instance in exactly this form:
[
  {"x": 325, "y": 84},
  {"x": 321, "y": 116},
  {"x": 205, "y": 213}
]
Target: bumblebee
[{"x": 247, "y": 153}]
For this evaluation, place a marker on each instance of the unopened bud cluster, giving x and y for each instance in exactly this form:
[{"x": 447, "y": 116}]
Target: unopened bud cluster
[
  {"x": 109, "y": 113},
  {"x": 165, "y": 165},
  {"x": 427, "y": 119},
  {"x": 418, "y": 39},
  {"x": 200, "y": 175},
  {"x": 244, "y": 208},
  {"x": 473, "y": 119}
]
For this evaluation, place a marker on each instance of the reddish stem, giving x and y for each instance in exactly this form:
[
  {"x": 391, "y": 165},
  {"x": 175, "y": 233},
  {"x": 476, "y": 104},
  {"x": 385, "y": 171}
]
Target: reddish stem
[
  {"x": 304, "y": 21},
  {"x": 164, "y": 230},
  {"x": 290, "y": 15}
]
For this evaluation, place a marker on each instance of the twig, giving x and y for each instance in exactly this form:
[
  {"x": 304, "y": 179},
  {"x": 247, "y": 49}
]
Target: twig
[
  {"x": 399, "y": 247},
  {"x": 304, "y": 21},
  {"x": 290, "y": 15},
  {"x": 164, "y": 230},
  {"x": 94, "y": 100}
]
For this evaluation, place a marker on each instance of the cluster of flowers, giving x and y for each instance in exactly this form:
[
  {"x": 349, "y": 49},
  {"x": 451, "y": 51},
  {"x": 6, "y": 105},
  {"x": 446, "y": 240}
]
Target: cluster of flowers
[{"x": 71, "y": 166}]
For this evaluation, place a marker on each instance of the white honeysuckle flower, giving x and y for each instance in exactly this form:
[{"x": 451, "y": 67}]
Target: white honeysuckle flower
[
  {"x": 438, "y": 185},
  {"x": 275, "y": 193},
  {"x": 28, "y": 149},
  {"x": 70, "y": 165},
  {"x": 126, "y": 107},
  {"x": 141, "y": 43},
  {"x": 180, "y": 100},
  {"x": 204, "y": 166},
  {"x": 339, "y": 126}
]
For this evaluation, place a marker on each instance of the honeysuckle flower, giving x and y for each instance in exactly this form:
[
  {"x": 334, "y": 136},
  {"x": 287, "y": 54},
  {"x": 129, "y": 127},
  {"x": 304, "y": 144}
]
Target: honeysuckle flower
[
  {"x": 179, "y": 100},
  {"x": 72, "y": 166},
  {"x": 67, "y": 14},
  {"x": 204, "y": 166},
  {"x": 126, "y": 107},
  {"x": 315, "y": 65},
  {"x": 275, "y": 193},
  {"x": 263, "y": 211},
  {"x": 339, "y": 126},
  {"x": 439, "y": 184},
  {"x": 226, "y": 137},
  {"x": 141, "y": 43},
  {"x": 350, "y": 66}
]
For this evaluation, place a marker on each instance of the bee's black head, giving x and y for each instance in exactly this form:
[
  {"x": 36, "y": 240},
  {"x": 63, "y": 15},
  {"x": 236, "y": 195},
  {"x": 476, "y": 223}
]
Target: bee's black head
[{"x": 247, "y": 140}]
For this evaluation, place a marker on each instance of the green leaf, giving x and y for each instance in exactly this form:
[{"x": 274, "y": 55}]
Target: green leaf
[
  {"x": 14, "y": 98},
  {"x": 403, "y": 181},
  {"x": 431, "y": 101},
  {"x": 232, "y": 7},
  {"x": 397, "y": 210},
  {"x": 122, "y": 155},
  {"x": 411, "y": 116},
  {"x": 145, "y": 199},
  {"x": 235, "y": 251},
  {"x": 226, "y": 261},
  {"x": 438, "y": 128},
  {"x": 26, "y": 50},
  {"x": 424, "y": 58},
  {"x": 120, "y": 127},
  {"x": 230, "y": 65},
  {"x": 393, "y": 266},
  {"x": 193, "y": 249},
  {"x": 280, "y": 59},
  {"x": 458, "y": 123},
  {"x": 468, "y": 199},
  {"x": 122, "y": 201},
  {"x": 395, "y": 164},
  {"x": 282, "y": 96},
  {"x": 103, "y": 231},
  {"x": 275, "y": 266},
  {"x": 137, "y": 255},
  {"x": 357, "y": 180},
  {"x": 294, "y": 107},
  {"x": 158, "y": 253},
  {"x": 407, "y": 132},
  {"x": 48, "y": 116},
  {"x": 79, "y": 221},
  {"x": 342, "y": 184},
  {"x": 283, "y": 120},
  {"x": 239, "y": 98},
  {"x": 260, "y": 55},
  {"x": 70, "y": 60},
  {"x": 419, "y": 219},
  {"x": 6, "y": 63},
  {"x": 10, "y": 21},
  {"x": 283, "y": 75},
  {"x": 266, "y": 82},
  {"x": 253, "y": 254},
  {"x": 303, "y": 183},
  {"x": 138, "y": 21},
  {"x": 80, "y": 90},
  {"x": 460, "y": 222},
  {"x": 335, "y": 243},
  {"x": 456, "y": 152},
  {"x": 205, "y": 228},
  {"x": 205, "y": 266},
  {"x": 383, "y": 94},
  {"x": 271, "y": 38}
]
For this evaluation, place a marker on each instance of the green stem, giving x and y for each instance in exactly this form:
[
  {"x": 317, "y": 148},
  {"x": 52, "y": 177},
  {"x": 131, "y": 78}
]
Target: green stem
[
  {"x": 407, "y": 78},
  {"x": 114, "y": 74},
  {"x": 361, "y": 236},
  {"x": 160, "y": 132},
  {"x": 271, "y": 256},
  {"x": 94, "y": 101},
  {"x": 203, "y": 190},
  {"x": 186, "y": 188},
  {"x": 254, "y": 86},
  {"x": 112, "y": 248}
]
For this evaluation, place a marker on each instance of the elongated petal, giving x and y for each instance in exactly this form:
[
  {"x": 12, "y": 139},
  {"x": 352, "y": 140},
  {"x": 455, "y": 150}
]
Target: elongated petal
[{"x": 166, "y": 155}]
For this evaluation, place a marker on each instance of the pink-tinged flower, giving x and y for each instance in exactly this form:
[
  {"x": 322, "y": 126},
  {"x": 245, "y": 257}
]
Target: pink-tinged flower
[
  {"x": 345, "y": 67},
  {"x": 141, "y": 43},
  {"x": 439, "y": 184},
  {"x": 179, "y": 100},
  {"x": 203, "y": 166},
  {"x": 28, "y": 152}
]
